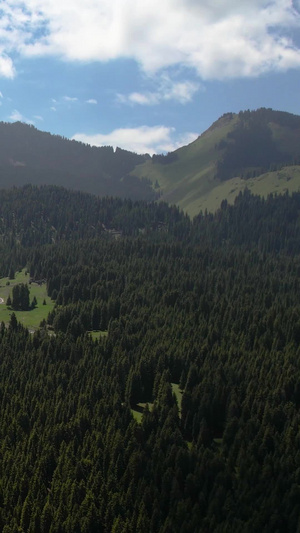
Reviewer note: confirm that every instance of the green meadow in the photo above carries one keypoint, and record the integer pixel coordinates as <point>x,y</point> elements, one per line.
<point>178,394</point>
<point>139,409</point>
<point>30,319</point>
<point>98,334</point>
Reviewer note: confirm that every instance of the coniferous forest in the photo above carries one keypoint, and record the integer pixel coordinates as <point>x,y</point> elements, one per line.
<point>183,414</point>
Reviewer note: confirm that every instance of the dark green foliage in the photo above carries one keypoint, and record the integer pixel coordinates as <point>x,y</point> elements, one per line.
<point>251,149</point>
<point>11,273</point>
<point>28,155</point>
<point>212,304</point>
<point>20,297</point>
<point>33,303</point>
<point>165,159</point>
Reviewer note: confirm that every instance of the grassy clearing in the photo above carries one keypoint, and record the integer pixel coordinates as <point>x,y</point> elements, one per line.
<point>218,441</point>
<point>30,319</point>
<point>178,393</point>
<point>139,409</point>
<point>97,334</point>
<point>137,415</point>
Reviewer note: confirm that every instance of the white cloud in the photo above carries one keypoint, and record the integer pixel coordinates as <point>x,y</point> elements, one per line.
<point>181,92</point>
<point>181,140</point>
<point>62,101</point>
<point>139,98</point>
<point>91,101</point>
<point>218,40</point>
<point>7,69</point>
<point>16,116</point>
<point>70,99</point>
<point>142,140</point>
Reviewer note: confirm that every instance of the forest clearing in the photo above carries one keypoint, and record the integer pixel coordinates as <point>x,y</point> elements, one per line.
<point>32,318</point>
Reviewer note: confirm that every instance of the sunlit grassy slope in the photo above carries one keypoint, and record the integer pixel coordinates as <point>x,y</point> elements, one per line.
<point>192,175</point>
<point>287,179</point>
<point>190,180</point>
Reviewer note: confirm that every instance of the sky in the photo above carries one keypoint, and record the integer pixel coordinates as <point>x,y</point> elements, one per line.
<point>145,75</point>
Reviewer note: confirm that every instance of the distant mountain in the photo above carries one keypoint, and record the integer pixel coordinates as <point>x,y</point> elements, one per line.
<point>259,150</point>
<point>255,149</point>
<point>28,155</point>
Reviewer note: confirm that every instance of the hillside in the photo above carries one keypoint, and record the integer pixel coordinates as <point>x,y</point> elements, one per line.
<point>28,155</point>
<point>161,392</point>
<point>236,152</point>
<point>259,150</point>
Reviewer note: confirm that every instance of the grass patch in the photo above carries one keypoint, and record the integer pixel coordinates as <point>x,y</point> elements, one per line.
<point>139,410</point>
<point>97,334</point>
<point>137,415</point>
<point>277,182</point>
<point>178,394</point>
<point>218,441</point>
<point>30,319</point>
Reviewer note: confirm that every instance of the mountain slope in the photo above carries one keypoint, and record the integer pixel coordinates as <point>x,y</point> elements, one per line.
<point>234,153</point>
<point>28,155</point>
<point>259,150</point>
<point>190,174</point>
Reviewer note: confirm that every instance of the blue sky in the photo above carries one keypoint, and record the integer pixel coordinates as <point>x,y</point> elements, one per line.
<point>148,76</point>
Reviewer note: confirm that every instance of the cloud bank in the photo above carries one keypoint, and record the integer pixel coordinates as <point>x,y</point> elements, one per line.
<point>224,39</point>
<point>142,140</point>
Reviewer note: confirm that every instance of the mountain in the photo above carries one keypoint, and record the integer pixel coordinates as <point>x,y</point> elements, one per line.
<point>28,155</point>
<point>258,150</point>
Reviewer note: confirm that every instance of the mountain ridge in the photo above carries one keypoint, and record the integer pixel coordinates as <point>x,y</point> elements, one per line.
<point>243,147</point>
<point>259,150</point>
<point>28,155</point>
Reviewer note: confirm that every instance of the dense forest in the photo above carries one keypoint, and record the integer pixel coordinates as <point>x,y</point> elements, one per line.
<point>252,147</point>
<point>199,325</point>
<point>28,155</point>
